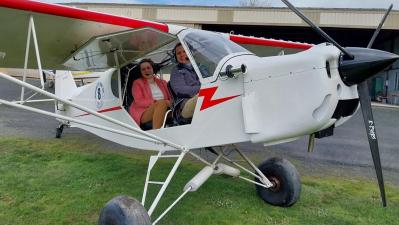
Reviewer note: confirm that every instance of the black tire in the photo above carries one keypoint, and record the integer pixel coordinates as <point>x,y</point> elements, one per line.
<point>58,132</point>
<point>50,84</point>
<point>286,180</point>
<point>124,210</point>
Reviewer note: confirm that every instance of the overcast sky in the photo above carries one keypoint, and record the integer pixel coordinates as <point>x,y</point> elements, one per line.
<point>277,3</point>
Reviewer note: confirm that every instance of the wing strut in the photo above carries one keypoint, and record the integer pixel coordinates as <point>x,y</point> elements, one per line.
<point>90,111</point>
<point>31,32</point>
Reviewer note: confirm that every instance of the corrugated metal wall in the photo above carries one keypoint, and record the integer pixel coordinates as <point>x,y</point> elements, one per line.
<point>350,18</point>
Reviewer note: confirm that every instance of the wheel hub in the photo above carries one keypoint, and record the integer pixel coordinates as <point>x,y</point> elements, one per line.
<point>276,184</point>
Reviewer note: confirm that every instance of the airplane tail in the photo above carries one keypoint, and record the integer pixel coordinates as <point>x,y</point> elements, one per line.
<point>64,84</point>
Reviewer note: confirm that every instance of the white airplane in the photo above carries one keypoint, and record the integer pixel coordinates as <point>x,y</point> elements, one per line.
<point>269,100</point>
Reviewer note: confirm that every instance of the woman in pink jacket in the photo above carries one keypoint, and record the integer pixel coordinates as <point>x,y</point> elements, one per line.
<point>151,97</point>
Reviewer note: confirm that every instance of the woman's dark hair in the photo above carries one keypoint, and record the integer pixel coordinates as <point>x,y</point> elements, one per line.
<point>147,61</point>
<point>174,51</point>
<point>177,45</point>
<point>154,66</point>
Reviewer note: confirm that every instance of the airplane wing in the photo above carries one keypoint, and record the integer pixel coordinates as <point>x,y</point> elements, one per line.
<point>269,47</point>
<point>62,31</point>
<point>76,39</point>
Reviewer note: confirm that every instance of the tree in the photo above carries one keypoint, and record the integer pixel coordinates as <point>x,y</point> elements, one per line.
<point>254,3</point>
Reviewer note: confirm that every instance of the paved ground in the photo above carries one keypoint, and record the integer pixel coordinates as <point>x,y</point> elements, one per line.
<point>346,153</point>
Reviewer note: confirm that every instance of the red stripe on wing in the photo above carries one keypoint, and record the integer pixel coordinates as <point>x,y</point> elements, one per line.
<point>65,11</point>
<point>268,42</point>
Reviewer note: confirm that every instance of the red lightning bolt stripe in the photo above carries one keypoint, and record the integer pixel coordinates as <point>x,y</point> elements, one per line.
<point>208,102</point>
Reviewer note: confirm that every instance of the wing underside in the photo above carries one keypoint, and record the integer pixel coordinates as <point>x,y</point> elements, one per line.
<point>76,39</point>
<point>61,31</point>
<point>58,37</point>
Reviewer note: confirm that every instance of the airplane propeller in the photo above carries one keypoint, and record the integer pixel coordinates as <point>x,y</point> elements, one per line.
<point>356,66</point>
<point>368,118</point>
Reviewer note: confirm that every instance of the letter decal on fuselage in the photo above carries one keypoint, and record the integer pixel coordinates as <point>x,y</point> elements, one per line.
<point>99,95</point>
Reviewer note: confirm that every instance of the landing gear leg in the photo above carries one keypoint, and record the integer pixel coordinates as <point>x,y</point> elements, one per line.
<point>124,210</point>
<point>59,130</point>
<point>277,180</point>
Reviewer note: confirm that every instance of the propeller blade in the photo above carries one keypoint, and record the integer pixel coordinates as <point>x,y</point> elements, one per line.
<point>368,118</point>
<point>316,28</point>
<point>365,104</point>
<point>377,31</point>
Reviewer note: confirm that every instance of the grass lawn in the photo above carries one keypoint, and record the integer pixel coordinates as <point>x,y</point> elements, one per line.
<point>68,182</point>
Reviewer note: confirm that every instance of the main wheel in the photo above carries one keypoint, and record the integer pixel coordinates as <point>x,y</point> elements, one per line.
<point>285,179</point>
<point>124,210</point>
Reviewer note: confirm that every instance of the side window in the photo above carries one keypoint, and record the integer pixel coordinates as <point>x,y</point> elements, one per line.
<point>208,49</point>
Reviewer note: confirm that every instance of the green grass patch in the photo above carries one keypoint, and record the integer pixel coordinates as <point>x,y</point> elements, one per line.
<point>68,182</point>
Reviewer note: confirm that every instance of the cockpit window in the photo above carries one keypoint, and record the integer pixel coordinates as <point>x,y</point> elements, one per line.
<point>208,49</point>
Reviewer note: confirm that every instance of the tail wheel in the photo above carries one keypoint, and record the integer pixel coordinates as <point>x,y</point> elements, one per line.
<point>59,130</point>
<point>285,179</point>
<point>124,210</point>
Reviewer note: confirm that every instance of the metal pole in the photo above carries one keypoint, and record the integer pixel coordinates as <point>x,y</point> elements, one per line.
<point>264,178</point>
<point>39,63</point>
<point>75,120</point>
<point>171,206</point>
<point>200,158</point>
<point>251,181</point>
<point>216,160</point>
<point>147,178</point>
<point>242,167</point>
<point>119,78</point>
<point>167,181</point>
<point>90,111</point>
<point>26,57</point>
<point>34,101</point>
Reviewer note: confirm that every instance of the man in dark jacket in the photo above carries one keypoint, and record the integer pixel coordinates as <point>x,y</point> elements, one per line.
<point>184,83</point>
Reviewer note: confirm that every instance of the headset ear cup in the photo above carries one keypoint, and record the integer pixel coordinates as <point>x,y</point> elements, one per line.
<point>174,58</point>
<point>155,68</point>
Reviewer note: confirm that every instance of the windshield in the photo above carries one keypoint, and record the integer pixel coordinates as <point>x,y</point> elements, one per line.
<point>208,48</point>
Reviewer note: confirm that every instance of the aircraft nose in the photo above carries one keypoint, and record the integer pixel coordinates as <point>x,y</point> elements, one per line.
<point>366,63</point>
